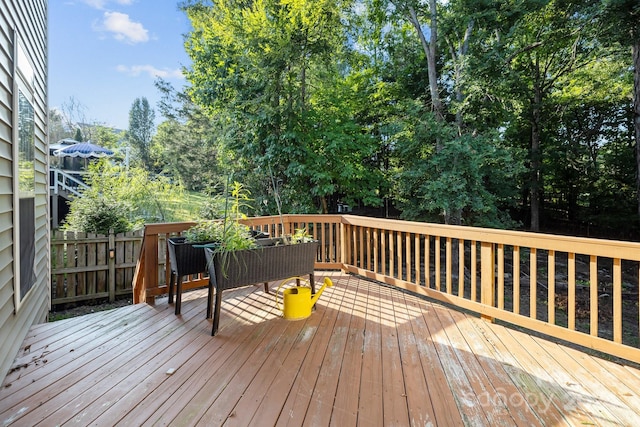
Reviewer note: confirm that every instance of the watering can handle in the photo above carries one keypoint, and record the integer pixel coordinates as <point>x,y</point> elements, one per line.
<point>296,278</point>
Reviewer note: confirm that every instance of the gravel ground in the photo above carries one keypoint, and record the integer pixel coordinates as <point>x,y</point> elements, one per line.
<point>65,312</point>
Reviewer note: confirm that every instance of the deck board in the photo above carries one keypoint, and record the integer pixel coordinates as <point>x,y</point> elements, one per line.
<point>369,355</point>
<point>418,400</point>
<point>505,389</point>
<point>345,406</point>
<point>440,393</point>
<point>294,410</point>
<point>370,397</point>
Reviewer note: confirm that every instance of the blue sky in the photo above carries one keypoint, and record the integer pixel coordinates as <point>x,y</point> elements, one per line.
<point>106,53</point>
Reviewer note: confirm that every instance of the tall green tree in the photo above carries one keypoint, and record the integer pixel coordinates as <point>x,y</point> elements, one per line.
<point>105,137</point>
<point>57,128</point>
<point>620,20</point>
<point>268,67</point>
<point>188,143</point>
<point>141,129</point>
<point>544,46</point>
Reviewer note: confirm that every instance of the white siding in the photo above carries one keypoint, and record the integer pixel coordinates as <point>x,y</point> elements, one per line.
<point>27,18</point>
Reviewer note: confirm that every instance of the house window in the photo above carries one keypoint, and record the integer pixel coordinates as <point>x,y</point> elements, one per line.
<point>26,191</point>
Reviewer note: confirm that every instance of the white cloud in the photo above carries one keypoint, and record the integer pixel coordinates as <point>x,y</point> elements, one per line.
<point>98,4</point>
<point>136,70</point>
<point>101,4</point>
<point>123,28</point>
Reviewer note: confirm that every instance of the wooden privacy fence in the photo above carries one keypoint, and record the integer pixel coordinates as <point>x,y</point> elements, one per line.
<point>87,266</point>
<point>584,291</point>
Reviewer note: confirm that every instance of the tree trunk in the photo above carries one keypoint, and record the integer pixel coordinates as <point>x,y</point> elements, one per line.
<point>430,50</point>
<point>457,57</point>
<point>535,180</point>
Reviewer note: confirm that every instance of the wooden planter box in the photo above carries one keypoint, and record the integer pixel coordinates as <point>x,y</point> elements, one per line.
<point>262,265</point>
<point>184,260</point>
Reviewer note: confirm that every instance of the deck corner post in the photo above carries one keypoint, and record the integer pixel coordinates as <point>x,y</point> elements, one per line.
<point>111,251</point>
<point>487,277</point>
<point>151,272</point>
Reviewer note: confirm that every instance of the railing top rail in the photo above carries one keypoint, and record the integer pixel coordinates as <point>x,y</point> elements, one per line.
<point>570,244</point>
<point>166,227</point>
<point>176,227</point>
<point>289,218</point>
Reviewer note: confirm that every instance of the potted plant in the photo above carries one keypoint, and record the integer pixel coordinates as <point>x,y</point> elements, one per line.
<point>237,256</point>
<point>280,259</point>
<point>186,256</point>
<point>186,253</point>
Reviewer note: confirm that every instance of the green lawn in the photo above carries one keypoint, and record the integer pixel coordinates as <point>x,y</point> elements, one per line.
<point>185,207</point>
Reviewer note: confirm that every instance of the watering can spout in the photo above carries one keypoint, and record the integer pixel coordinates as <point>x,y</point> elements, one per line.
<point>327,282</point>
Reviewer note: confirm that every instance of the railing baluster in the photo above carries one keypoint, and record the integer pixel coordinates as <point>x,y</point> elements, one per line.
<point>417,258</point>
<point>593,295</point>
<point>369,249</point>
<point>617,300</point>
<point>400,268</point>
<point>322,239</point>
<point>361,261</point>
<point>335,243</point>
<point>376,249</point>
<point>551,292</point>
<point>474,270</point>
<point>448,262</point>
<point>353,247</point>
<point>383,252</point>
<point>427,261</point>
<point>407,256</point>
<point>501,276</point>
<point>437,266</point>
<point>460,268</point>
<point>516,279</point>
<point>533,283</point>
<point>571,293</point>
<point>392,255</point>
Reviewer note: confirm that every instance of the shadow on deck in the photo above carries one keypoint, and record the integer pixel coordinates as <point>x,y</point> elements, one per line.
<point>369,355</point>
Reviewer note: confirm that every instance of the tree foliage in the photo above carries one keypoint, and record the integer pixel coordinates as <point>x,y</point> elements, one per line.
<point>141,126</point>
<point>274,71</point>
<point>119,199</point>
<point>473,112</point>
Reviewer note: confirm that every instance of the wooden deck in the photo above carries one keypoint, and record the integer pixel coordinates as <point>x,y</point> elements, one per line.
<point>369,356</point>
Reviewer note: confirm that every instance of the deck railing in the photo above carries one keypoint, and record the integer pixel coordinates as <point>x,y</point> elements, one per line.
<point>66,181</point>
<point>583,291</point>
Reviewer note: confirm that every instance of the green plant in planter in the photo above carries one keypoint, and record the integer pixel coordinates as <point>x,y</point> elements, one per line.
<point>204,231</point>
<point>300,236</point>
<point>228,232</point>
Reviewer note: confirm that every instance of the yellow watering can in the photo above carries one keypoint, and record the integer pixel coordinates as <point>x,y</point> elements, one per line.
<point>297,302</point>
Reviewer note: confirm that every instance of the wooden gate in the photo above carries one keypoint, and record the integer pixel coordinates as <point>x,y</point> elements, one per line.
<point>87,266</point>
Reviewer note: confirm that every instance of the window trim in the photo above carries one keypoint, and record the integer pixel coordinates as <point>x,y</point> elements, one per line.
<point>23,81</point>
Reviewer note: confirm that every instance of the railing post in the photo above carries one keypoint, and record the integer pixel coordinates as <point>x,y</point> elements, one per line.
<point>344,255</point>
<point>112,266</point>
<point>151,263</point>
<point>487,277</point>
